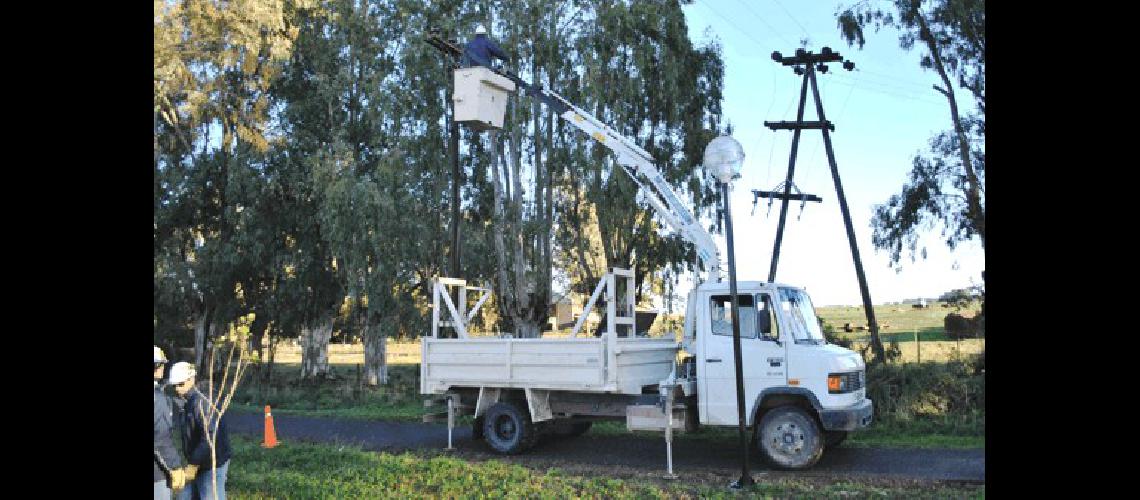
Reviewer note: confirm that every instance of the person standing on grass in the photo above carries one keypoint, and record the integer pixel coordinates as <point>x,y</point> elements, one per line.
<point>169,472</point>
<point>198,413</point>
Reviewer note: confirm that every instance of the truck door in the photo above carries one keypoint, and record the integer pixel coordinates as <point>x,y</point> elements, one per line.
<point>762,357</point>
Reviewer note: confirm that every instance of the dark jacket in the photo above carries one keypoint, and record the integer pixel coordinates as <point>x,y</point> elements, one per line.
<point>479,51</point>
<point>194,440</point>
<point>164,434</point>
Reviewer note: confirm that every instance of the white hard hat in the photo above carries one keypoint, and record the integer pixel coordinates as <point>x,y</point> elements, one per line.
<point>481,30</point>
<point>181,372</point>
<point>159,356</point>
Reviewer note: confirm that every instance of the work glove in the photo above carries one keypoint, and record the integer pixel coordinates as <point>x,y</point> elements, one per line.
<point>191,472</point>
<point>177,479</point>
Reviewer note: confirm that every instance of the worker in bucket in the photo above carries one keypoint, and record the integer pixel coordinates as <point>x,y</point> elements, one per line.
<point>480,50</point>
<point>169,472</point>
<point>198,413</point>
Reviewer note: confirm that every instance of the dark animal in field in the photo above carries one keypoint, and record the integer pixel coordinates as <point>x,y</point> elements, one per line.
<point>960,327</point>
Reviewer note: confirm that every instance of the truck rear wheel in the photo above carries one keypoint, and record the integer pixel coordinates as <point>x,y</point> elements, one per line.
<point>789,438</point>
<point>508,429</point>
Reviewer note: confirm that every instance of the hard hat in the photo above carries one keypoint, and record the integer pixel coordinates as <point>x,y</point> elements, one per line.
<point>159,356</point>
<point>181,372</point>
<point>480,30</point>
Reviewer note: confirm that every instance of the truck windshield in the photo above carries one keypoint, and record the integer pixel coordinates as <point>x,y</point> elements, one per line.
<point>801,316</point>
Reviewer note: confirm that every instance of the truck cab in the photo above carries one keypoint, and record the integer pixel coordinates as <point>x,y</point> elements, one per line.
<point>801,393</point>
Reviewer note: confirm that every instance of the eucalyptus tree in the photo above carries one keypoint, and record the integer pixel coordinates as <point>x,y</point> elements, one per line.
<point>947,185</point>
<point>632,65</point>
<point>213,65</point>
<point>643,75</point>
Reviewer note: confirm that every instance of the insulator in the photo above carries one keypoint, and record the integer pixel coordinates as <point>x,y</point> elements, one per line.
<point>848,65</point>
<point>822,68</point>
<point>776,56</point>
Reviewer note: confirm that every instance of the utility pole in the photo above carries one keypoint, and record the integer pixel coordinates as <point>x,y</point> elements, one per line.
<point>453,153</point>
<point>806,63</point>
<point>435,39</point>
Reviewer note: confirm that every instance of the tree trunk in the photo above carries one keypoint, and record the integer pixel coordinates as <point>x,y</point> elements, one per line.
<point>973,189</point>
<point>498,220</point>
<point>315,348</point>
<point>526,329</point>
<point>257,334</point>
<point>514,293</point>
<point>375,352</point>
<point>274,339</point>
<point>201,333</point>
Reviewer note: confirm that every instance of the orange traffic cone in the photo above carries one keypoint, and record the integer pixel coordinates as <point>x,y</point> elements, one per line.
<point>270,434</point>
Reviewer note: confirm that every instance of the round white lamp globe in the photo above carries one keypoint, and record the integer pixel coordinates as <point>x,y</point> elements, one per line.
<point>724,157</point>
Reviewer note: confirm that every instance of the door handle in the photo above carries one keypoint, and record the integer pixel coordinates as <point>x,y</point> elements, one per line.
<point>712,360</point>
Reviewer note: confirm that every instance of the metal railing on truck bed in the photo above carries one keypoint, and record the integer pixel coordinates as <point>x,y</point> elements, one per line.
<point>610,363</point>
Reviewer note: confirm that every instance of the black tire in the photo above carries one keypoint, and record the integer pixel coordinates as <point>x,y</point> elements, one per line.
<point>789,438</point>
<point>833,438</point>
<point>477,428</point>
<point>507,429</point>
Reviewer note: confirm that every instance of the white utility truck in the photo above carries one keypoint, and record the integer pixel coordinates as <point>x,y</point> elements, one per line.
<point>802,394</point>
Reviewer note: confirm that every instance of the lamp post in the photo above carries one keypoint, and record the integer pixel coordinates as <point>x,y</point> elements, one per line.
<point>723,158</point>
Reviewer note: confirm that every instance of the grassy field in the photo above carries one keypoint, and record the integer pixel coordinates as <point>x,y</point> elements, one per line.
<point>900,323</point>
<point>919,332</point>
<point>302,470</point>
<point>343,396</point>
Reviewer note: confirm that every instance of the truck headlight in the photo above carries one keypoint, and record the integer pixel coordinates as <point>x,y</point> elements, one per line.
<point>841,383</point>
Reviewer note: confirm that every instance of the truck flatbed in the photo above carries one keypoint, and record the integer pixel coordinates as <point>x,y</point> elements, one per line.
<point>572,364</point>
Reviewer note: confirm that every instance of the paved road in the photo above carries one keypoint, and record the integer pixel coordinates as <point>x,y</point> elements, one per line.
<point>643,452</point>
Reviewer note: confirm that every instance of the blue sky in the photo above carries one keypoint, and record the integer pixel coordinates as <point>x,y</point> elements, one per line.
<point>884,113</point>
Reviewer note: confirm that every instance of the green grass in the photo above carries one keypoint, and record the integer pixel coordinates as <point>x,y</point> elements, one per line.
<point>340,397</point>
<point>303,470</point>
<point>947,432</point>
<point>896,322</point>
<point>921,433</point>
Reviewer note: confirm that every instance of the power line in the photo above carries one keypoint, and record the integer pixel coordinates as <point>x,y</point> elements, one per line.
<point>745,33</point>
<point>893,78</point>
<point>793,17</point>
<point>926,91</point>
<point>761,18</point>
<point>848,99</point>
<point>900,96</point>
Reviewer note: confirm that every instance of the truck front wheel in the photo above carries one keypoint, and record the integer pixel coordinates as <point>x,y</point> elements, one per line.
<point>789,438</point>
<point>507,429</point>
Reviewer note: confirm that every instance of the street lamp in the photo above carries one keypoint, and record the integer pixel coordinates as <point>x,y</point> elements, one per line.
<point>723,158</point>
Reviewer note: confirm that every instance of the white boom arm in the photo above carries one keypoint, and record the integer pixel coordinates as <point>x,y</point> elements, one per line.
<point>635,160</point>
